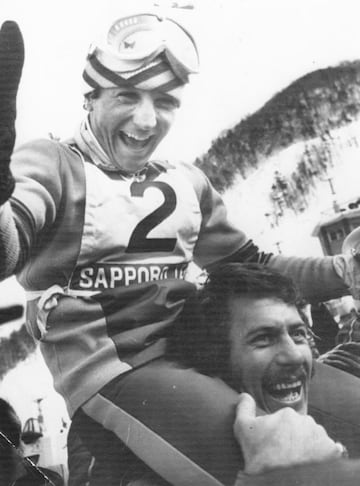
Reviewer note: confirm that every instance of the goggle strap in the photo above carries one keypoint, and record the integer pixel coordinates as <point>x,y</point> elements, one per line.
<point>178,68</point>
<point>102,72</point>
<point>152,71</point>
<point>90,81</point>
<point>171,85</point>
<point>107,74</point>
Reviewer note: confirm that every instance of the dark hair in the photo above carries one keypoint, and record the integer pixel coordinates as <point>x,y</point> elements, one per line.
<point>200,338</point>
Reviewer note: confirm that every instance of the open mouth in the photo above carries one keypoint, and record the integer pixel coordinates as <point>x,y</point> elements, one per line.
<point>286,393</point>
<point>134,141</point>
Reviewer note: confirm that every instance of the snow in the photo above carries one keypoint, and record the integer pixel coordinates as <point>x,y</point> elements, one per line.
<point>248,200</point>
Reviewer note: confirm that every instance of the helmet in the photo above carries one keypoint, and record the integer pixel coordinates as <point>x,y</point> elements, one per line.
<point>145,51</point>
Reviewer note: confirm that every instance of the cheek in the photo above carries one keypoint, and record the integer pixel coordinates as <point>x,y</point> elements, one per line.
<point>247,371</point>
<point>308,357</point>
<point>253,373</point>
<point>166,120</point>
<point>109,116</point>
<point>256,366</point>
<point>98,120</point>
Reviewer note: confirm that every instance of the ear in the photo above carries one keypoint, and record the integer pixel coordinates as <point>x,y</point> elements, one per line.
<point>88,104</point>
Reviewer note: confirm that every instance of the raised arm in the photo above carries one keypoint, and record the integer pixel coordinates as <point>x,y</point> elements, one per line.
<point>11,64</point>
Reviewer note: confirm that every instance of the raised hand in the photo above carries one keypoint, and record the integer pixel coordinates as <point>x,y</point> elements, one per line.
<point>11,64</point>
<point>281,439</point>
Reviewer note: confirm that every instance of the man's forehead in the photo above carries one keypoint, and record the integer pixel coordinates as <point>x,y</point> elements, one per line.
<point>175,95</point>
<point>248,313</point>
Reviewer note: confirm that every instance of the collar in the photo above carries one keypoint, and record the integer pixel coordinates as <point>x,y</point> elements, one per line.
<point>88,144</point>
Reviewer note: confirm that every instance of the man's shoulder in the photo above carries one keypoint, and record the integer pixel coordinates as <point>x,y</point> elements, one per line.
<point>44,146</point>
<point>46,160</point>
<point>45,151</point>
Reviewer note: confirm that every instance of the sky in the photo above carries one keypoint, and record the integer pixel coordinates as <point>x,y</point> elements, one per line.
<point>249,50</point>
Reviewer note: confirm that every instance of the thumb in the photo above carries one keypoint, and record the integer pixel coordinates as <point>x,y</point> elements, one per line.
<point>246,408</point>
<point>11,43</point>
<point>11,60</point>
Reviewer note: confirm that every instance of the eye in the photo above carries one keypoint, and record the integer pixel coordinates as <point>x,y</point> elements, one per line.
<point>167,103</point>
<point>299,335</point>
<point>127,97</point>
<point>262,340</point>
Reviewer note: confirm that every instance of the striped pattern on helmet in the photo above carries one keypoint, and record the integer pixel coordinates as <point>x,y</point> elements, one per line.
<point>144,52</point>
<point>157,75</point>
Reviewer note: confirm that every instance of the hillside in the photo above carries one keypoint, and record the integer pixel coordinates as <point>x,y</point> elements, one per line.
<point>311,107</point>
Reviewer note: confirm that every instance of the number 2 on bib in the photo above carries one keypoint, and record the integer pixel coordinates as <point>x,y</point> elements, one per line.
<point>138,242</point>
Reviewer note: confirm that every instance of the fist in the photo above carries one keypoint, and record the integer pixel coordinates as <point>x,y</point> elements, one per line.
<point>281,439</point>
<point>11,64</point>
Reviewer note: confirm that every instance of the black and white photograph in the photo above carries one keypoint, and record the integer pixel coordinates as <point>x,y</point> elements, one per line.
<point>180,243</point>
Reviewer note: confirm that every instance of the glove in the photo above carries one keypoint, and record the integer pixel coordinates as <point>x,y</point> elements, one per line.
<point>345,357</point>
<point>11,64</point>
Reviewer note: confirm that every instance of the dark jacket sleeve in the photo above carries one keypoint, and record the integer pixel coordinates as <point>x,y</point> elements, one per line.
<point>315,276</point>
<point>219,242</point>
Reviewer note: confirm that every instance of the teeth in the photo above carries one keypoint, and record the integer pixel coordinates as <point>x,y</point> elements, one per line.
<point>286,386</point>
<point>135,137</point>
<point>290,397</point>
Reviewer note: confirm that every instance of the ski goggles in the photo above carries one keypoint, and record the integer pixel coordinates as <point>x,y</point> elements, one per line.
<point>144,51</point>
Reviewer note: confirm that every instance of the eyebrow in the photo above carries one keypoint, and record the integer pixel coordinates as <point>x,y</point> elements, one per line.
<point>124,90</point>
<point>274,329</point>
<point>166,95</point>
<point>258,330</point>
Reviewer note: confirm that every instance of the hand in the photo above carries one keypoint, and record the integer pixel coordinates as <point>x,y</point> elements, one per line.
<point>281,439</point>
<point>11,63</point>
<point>345,357</point>
<point>347,264</point>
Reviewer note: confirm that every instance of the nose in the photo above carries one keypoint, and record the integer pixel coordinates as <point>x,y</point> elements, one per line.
<point>145,114</point>
<point>290,353</point>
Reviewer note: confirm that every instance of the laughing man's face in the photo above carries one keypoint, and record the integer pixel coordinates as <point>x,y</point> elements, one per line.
<point>270,356</point>
<point>130,123</point>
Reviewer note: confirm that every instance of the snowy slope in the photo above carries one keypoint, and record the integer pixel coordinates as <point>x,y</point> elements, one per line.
<point>248,200</point>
